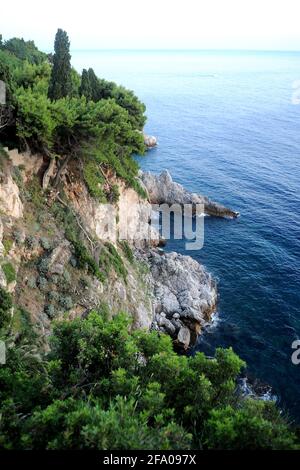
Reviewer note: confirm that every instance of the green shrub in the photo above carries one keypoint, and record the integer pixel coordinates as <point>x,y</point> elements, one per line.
<point>66,302</point>
<point>67,277</point>
<point>43,266</point>
<point>45,243</point>
<point>18,236</point>
<point>34,193</point>
<point>34,118</point>
<point>24,50</point>
<point>53,296</point>
<point>50,310</point>
<point>7,243</point>
<point>127,250</point>
<point>42,283</point>
<point>114,194</point>
<point>32,282</point>
<point>94,181</point>
<point>102,386</point>
<point>84,283</point>
<point>36,227</point>
<point>21,326</point>
<point>42,217</point>
<point>85,260</point>
<point>9,272</point>
<point>256,425</point>
<point>5,308</point>
<point>73,261</point>
<point>3,153</point>
<point>31,242</point>
<point>110,259</point>
<point>55,279</point>
<point>17,176</point>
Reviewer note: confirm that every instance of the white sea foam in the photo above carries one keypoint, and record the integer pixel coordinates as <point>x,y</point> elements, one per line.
<point>249,390</point>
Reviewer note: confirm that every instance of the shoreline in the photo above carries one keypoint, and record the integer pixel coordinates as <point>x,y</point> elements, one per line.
<point>185,292</point>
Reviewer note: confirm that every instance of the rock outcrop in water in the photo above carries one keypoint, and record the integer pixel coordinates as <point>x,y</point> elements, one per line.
<point>150,141</point>
<point>162,189</point>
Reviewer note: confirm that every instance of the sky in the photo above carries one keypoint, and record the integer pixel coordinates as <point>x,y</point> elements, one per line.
<point>156,24</point>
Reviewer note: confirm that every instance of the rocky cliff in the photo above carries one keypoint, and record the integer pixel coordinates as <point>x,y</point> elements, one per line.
<point>60,256</point>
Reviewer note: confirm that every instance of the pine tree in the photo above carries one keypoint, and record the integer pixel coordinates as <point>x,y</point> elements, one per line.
<point>94,84</point>
<point>85,88</point>
<point>60,81</point>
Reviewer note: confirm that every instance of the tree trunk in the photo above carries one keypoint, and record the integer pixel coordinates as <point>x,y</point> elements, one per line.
<point>61,169</point>
<point>49,173</point>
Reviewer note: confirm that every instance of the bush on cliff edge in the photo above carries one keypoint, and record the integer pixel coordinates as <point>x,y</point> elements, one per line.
<point>103,387</point>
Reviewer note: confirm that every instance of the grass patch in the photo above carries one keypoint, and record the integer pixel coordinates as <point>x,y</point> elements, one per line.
<point>9,272</point>
<point>7,243</point>
<point>21,324</point>
<point>110,258</point>
<point>34,193</point>
<point>85,260</point>
<point>94,181</point>
<point>17,177</point>
<point>127,250</point>
<point>122,165</point>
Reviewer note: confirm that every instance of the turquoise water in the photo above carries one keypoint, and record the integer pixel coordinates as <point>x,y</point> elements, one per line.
<point>227,128</point>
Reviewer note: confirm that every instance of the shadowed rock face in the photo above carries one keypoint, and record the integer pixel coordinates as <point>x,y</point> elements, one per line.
<point>162,189</point>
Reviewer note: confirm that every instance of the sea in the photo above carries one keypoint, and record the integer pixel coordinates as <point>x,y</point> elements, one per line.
<point>228,126</point>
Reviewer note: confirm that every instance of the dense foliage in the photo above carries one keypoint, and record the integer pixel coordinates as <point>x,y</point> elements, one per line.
<point>5,308</point>
<point>24,50</point>
<point>53,110</point>
<point>102,387</point>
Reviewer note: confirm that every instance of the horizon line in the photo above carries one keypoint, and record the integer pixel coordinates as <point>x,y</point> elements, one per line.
<point>146,49</point>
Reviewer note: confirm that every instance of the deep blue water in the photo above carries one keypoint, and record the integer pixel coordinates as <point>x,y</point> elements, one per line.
<point>227,128</point>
